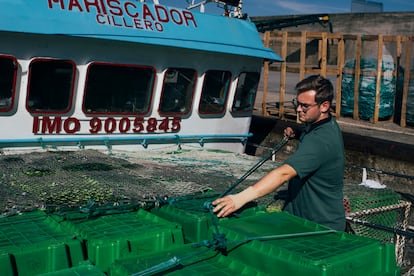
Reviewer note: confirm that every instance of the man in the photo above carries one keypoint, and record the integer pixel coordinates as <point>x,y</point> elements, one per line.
<point>315,171</point>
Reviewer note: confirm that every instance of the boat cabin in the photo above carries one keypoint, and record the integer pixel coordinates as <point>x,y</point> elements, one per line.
<point>125,73</point>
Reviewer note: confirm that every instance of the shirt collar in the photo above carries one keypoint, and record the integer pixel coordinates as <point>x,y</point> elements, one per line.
<point>310,127</point>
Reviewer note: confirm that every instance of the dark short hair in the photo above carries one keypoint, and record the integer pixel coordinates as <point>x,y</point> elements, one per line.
<point>322,86</point>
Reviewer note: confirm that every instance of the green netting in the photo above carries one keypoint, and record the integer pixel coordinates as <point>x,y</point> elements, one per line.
<point>376,207</point>
<point>363,198</point>
<point>367,89</point>
<point>94,180</point>
<point>410,97</point>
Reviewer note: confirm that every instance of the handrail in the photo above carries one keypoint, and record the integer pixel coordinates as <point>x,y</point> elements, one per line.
<point>108,141</point>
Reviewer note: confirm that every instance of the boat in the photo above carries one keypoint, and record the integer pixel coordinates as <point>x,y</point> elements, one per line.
<point>133,73</point>
<point>145,83</point>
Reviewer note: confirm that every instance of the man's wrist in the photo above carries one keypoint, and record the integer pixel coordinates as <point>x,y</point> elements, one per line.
<point>245,196</point>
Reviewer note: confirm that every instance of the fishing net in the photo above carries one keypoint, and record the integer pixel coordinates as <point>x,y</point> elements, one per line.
<point>367,89</point>
<point>378,214</point>
<point>61,180</point>
<point>85,183</point>
<point>56,180</point>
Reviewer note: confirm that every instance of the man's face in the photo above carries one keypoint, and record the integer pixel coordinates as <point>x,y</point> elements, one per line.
<point>307,109</point>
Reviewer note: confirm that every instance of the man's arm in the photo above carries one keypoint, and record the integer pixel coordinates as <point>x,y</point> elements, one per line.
<point>269,183</point>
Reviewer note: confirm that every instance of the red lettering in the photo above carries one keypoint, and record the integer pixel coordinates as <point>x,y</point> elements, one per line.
<point>188,16</point>
<point>110,125</point>
<point>146,12</point>
<point>176,124</point>
<point>128,12</point>
<point>35,128</point>
<point>114,7</point>
<point>126,23</point>
<point>95,125</point>
<point>51,125</point>
<point>124,125</point>
<point>100,18</point>
<point>137,23</point>
<point>176,16</point>
<point>164,16</point>
<point>138,125</point>
<point>71,125</point>
<point>159,27</point>
<point>114,22</point>
<point>148,25</point>
<point>164,125</point>
<point>62,6</point>
<point>151,125</point>
<point>75,3</point>
<point>93,3</point>
<point>103,7</point>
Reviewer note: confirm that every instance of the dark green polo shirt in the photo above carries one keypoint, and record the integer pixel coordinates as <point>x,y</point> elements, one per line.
<point>316,193</point>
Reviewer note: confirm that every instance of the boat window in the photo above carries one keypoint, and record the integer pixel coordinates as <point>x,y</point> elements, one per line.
<point>178,90</point>
<point>246,92</point>
<point>8,72</point>
<point>118,89</point>
<point>214,94</point>
<point>50,86</point>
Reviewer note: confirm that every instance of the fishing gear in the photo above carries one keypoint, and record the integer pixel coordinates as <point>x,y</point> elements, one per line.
<point>219,242</point>
<point>273,151</point>
<point>398,231</point>
<point>210,194</point>
<point>176,261</point>
<point>169,264</point>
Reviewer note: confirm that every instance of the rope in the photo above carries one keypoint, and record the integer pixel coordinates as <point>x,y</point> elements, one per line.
<point>401,233</point>
<point>172,262</point>
<point>400,205</point>
<point>381,171</point>
<point>214,245</point>
<point>275,149</point>
<point>395,230</point>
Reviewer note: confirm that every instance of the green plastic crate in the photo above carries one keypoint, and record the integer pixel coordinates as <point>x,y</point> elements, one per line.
<point>112,237</point>
<point>36,244</point>
<point>184,260</point>
<point>195,225</point>
<point>314,251</point>
<point>82,269</point>
<point>300,248</point>
<point>195,217</point>
<point>6,267</point>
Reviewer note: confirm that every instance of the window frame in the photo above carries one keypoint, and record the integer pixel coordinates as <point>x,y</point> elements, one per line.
<point>112,113</point>
<point>71,92</point>
<point>225,92</point>
<point>14,81</point>
<point>249,110</point>
<point>189,100</point>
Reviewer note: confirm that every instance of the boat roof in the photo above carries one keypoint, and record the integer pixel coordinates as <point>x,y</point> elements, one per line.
<point>137,22</point>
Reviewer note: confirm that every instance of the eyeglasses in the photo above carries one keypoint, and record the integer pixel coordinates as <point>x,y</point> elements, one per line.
<point>304,106</point>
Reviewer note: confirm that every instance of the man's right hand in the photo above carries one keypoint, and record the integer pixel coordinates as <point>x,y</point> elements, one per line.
<point>288,132</point>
